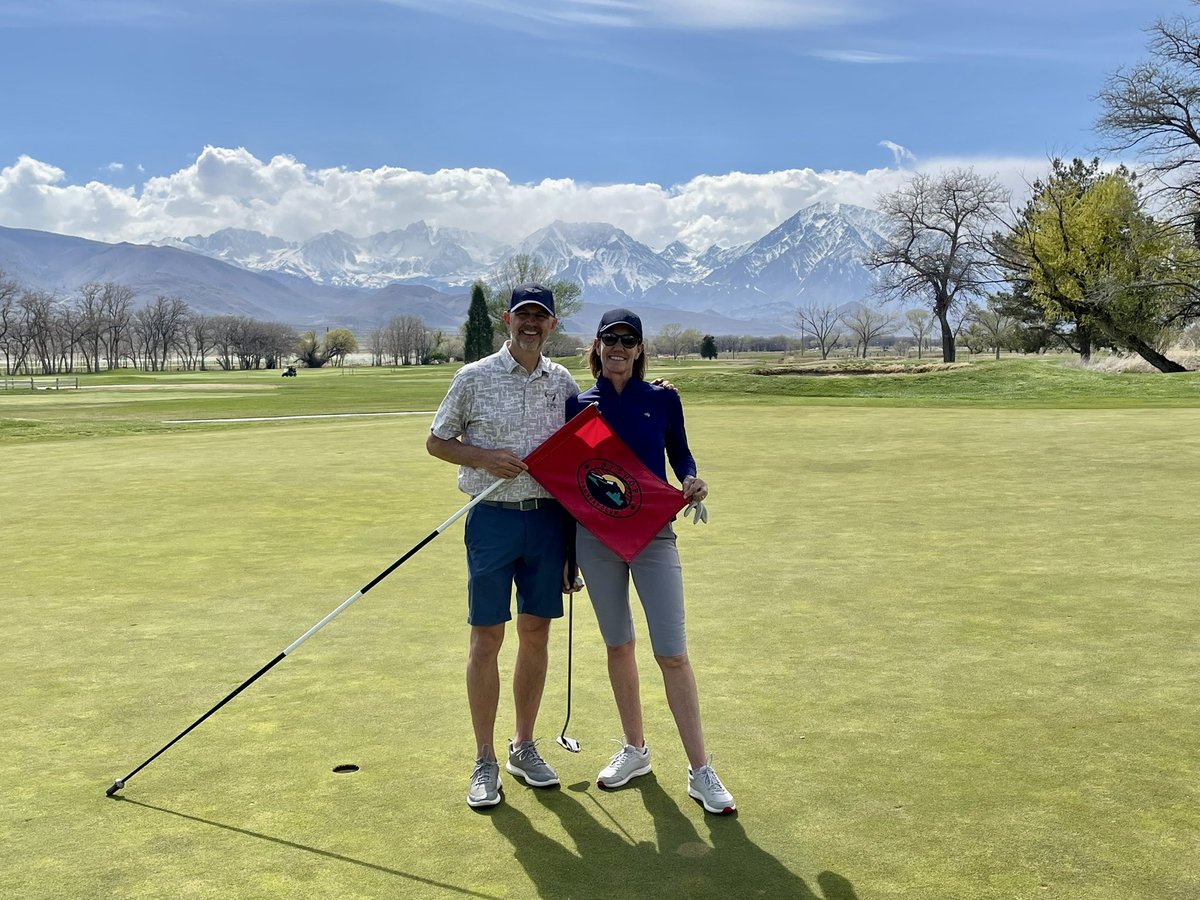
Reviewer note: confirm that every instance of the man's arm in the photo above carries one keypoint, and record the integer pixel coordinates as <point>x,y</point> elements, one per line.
<point>501,463</point>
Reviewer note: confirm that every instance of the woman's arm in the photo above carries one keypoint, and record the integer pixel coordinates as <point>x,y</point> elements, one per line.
<point>678,453</point>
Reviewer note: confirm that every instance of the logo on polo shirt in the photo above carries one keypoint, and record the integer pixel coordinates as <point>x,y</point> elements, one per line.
<point>608,488</point>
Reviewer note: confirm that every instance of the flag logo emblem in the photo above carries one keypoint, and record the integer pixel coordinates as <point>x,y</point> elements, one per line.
<point>608,488</point>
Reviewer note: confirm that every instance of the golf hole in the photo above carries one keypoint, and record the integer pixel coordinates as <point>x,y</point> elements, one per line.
<point>344,768</point>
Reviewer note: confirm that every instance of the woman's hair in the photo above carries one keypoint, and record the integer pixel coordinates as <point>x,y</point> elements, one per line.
<point>639,364</point>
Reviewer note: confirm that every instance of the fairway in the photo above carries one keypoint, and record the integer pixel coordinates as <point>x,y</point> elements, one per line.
<point>945,650</point>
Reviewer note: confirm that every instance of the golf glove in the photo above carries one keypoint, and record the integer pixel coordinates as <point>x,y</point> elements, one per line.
<point>698,510</point>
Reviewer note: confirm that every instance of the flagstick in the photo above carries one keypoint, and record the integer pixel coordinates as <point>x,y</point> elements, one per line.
<point>120,782</point>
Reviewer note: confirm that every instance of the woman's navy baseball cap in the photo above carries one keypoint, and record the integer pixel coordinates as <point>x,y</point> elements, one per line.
<point>620,316</point>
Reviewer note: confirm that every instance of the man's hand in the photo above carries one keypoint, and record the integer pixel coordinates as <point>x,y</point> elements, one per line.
<point>502,463</point>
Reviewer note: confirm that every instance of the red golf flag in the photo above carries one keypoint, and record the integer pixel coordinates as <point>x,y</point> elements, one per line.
<point>599,480</point>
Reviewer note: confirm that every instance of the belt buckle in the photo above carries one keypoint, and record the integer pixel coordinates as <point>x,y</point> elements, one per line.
<point>527,504</point>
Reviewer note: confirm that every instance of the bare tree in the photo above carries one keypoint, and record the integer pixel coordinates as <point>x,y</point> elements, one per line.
<point>993,322</point>
<point>730,343</point>
<point>867,324</point>
<point>523,268</point>
<point>375,346</point>
<point>116,304</point>
<point>40,318</point>
<point>277,343</point>
<point>937,250</point>
<point>1154,108</point>
<point>92,324</point>
<point>919,326</point>
<point>824,323</point>
<point>225,338</point>
<point>159,328</point>
<point>200,338</point>
<point>10,290</point>
<point>415,340</point>
<point>672,339</point>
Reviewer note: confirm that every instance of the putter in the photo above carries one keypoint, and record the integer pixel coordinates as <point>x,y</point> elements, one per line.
<point>569,743</point>
<point>121,782</point>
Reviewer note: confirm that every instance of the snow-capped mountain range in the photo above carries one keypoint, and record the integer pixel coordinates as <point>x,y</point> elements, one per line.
<point>439,257</point>
<point>815,257</point>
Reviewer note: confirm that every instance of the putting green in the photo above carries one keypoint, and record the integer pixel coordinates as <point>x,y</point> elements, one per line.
<point>942,653</point>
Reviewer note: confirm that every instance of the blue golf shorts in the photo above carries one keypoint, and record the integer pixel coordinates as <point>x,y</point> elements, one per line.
<point>507,547</point>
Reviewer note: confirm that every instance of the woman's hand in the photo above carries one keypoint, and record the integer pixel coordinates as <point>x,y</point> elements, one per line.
<point>694,491</point>
<point>694,488</point>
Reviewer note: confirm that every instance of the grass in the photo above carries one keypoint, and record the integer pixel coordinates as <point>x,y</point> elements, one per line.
<point>944,651</point>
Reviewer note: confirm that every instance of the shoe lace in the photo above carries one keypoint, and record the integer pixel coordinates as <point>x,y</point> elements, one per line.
<point>528,752</point>
<point>711,781</point>
<point>709,776</point>
<point>483,771</point>
<point>618,758</point>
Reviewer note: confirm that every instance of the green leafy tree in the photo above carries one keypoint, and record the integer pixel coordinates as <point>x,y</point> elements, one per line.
<point>477,338</point>
<point>1085,249</point>
<point>314,353</point>
<point>309,351</point>
<point>339,343</point>
<point>708,347</point>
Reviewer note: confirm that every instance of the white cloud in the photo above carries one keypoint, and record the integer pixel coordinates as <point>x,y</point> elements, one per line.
<point>114,167</point>
<point>900,155</point>
<point>282,196</point>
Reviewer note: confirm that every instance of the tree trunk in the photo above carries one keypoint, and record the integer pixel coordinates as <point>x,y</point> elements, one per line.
<point>1085,343</point>
<point>1152,356</point>
<point>947,337</point>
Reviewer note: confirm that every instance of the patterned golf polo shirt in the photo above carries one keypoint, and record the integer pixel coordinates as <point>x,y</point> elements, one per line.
<point>496,404</point>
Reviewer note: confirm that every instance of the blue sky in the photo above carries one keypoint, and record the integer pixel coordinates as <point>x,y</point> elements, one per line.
<point>599,99</point>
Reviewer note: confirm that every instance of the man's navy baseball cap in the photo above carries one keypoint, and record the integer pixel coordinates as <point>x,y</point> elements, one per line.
<point>620,316</point>
<point>532,293</point>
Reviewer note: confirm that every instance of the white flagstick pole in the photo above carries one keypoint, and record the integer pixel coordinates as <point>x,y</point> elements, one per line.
<point>120,782</point>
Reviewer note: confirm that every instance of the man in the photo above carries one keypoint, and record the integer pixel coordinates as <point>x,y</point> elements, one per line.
<point>496,412</point>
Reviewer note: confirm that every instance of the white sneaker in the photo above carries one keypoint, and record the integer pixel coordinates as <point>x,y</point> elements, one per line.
<point>705,786</point>
<point>627,763</point>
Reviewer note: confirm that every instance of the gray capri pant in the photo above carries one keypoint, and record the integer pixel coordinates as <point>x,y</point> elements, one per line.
<point>658,577</point>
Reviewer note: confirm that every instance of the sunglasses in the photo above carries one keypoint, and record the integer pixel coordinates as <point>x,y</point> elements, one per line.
<point>628,341</point>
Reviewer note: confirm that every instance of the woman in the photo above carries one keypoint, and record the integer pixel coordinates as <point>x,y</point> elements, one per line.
<point>650,420</point>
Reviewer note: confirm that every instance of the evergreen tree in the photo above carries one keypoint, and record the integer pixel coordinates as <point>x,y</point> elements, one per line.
<point>478,338</point>
<point>708,347</point>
